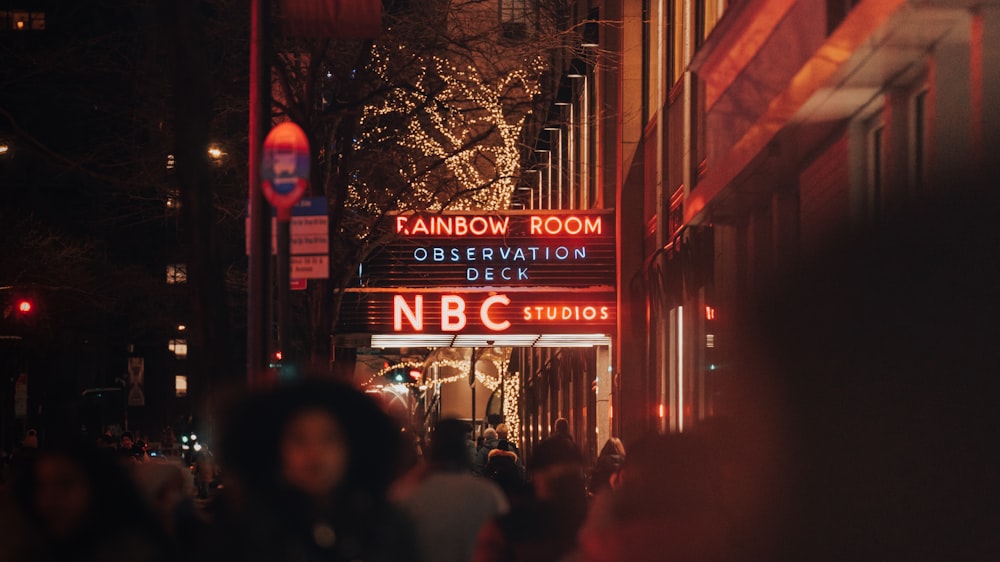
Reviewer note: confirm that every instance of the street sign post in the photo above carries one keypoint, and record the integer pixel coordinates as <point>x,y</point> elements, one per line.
<point>285,167</point>
<point>284,176</point>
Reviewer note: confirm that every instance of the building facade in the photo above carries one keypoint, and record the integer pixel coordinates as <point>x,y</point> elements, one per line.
<point>737,139</point>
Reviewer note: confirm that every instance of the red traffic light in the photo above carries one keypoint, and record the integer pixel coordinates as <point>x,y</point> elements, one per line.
<point>24,306</point>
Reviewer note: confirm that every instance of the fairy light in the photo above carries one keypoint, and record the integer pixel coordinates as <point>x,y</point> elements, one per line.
<point>512,392</point>
<point>391,368</point>
<point>445,109</point>
<point>511,383</point>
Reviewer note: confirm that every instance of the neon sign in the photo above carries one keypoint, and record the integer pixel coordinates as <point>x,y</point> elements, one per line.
<point>499,312</point>
<point>517,249</point>
<point>516,273</point>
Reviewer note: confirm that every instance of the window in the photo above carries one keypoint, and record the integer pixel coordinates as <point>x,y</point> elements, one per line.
<point>515,15</point>
<point>22,20</point>
<point>173,200</point>
<point>179,347</point>
<point>177,273</point>
<point>180,385</point>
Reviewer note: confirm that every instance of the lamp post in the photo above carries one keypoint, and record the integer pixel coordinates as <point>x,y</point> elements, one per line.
<point>548,179</point>
<point>538,205</point>
<point>570,152</point>
<point>531,195</point>
<point>584,140</point>
<point>559,159</point>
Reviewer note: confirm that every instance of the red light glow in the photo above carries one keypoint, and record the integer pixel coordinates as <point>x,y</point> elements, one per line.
<point>24,307</point>
<point>572,225</point>
<point>453,317</point>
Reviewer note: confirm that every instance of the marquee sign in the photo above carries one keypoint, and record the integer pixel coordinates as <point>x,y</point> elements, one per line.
<point>515,249</point>
<point>516,273</point>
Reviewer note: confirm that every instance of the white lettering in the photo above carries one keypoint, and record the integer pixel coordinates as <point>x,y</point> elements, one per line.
<point>415,315</point>
<point>484,313</point>
<point>452,313</point>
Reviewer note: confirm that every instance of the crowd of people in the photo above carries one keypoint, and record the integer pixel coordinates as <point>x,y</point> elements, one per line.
<point>316,471</point>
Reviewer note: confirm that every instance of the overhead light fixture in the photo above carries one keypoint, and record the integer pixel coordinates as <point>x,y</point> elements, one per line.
<point>489,340</point>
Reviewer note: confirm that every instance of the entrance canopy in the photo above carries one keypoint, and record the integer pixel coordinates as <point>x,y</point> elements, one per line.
<point>517,279</point>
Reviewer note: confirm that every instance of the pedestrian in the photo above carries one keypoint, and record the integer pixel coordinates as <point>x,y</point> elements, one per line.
<point>609,463</point>
<point>544,527</point>
<point>307,468</point>
<point>482,455</point>
<point>167,488</point>
<point>667,506</point>
<point>205,473</point>
<point>503,441</point>
<point>126,442</point>
<point>450,505</point>
<point>560,429</point>
<point>503,468</point>
<point>77,503</point>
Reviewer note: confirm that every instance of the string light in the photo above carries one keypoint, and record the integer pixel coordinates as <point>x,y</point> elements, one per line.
<point>447,110</point>
<point>511,383</point>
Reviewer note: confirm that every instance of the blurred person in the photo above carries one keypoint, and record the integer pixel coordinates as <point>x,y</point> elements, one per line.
<point>450,505</point>
<point>666,507</point>
<point>308,466</point>
<point>482,454</point>
<point>873,362</point>
<point>503,468</point>
<point>544,526</point>
<point>105,441</point>
<point>70,497</point>
<point>206,473</point>
<point>30,439</point>
<point>503,441</point>
<point>609,463</point>
<point>22,456</point>
<point>560,430</point>
<point>168,490</point>
<point>613,446</point>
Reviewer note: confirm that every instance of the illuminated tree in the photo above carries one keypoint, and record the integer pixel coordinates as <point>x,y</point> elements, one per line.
<point>430,116</point>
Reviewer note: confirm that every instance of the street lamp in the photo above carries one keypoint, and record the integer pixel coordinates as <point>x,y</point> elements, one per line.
<point>570,151</point>
<point>584,140</point>
<point>548,179</point>
<point>559,159</point>
<point>531,195</point>
<point>215,153</point>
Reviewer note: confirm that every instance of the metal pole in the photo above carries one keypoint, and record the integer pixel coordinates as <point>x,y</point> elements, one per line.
<point>284,290</point>
<point>559,159</point>
<point>259,244</point>
<point>472,383</point>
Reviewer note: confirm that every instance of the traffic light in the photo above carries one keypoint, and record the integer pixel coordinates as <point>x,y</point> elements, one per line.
<point>21,308</point>
<point>402,375</point>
